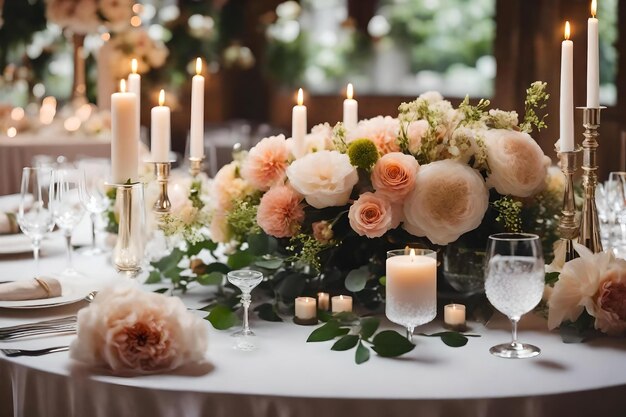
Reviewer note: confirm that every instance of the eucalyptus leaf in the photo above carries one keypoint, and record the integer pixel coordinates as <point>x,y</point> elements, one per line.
<point>362,354</point>
<point>195,248</point>
<point>452,339</point>
<point>369,325</point>
<point>356,279</point>
<point>213,278</point>
<point>390,343</point>
<point>324,315</point>
<point>222,317</point>
<point>170,261</point>
<point>267,312</point>
<point>154,277</point>
<point>217,267</point>
<point>258,244</point>
<point>328,331</point>
<point>240,259</point>
<point>273,263</point>
<point>347,342</point>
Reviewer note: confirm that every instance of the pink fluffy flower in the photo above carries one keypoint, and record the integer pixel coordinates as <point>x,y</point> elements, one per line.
<point>280,212</point>
<point>383,131</point>
<point>266,163</point>
<point>372,216</point>
<point>394,174</point>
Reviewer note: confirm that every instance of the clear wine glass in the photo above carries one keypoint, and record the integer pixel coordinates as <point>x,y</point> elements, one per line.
<point>246,281</point>
<point>93,195</point>
<point>411,288</point>
<point>67,209</point>
<point>34,215</point>
<point>616,206</point>
<point>514,284</point>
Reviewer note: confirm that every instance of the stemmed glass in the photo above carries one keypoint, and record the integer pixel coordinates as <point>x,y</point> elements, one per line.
<point>514,284</point>
<point>616,207</point>
<point>411,288</point>
<point>66,208</point>
<point>34,215</point>
<point>246,281</point>
<point>92,192</point>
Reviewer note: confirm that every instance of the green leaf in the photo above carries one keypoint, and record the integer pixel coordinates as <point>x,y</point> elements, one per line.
<point>170,261</point>
<point>195,248</point>
<point>324,315</point>
<point>356,279</point>
<point>273,263</point>
<point>268,312</point>
<point>291,286</point>
<point>213,278</point>
<point>346,317</point>
<point>154,277</point>
<point>452,339</point>
<point>222,317</point>
<point>240,259</point>
<point>552,278</point>
<point>346,343</point>
<point>362,354</point>
<point>328,331</point>
<point>369,325</point>
<point>217,267</point>
<point>390,343</point>
<point>259,244</point>
<point>161,290</point>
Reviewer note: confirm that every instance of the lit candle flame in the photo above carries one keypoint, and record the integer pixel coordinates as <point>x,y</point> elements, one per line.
<point>300,97</point>
<point>567,30</point>
<point>161,97</point>
<point>198,66</point>
<point>349,91</point>
<point>122,85</point>
<point>594,8</point>
<point>133,66</point>
<point>412,255</point>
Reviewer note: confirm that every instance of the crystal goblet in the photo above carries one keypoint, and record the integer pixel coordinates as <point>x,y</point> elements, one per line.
<point>246,281</point>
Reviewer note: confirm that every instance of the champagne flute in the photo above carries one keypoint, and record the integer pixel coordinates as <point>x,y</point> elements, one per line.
<point>34,215</point>
<point>93,195</point>
<point>246,281</point>
<point>66,209</point>
<point>514,284</point>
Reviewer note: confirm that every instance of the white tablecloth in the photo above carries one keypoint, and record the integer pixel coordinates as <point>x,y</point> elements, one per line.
<point>288,377</point>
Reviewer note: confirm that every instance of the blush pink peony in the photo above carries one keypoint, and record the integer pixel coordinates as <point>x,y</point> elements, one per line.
<point>394,174</point>
<point>266,163</point>
<point>372,215</point>
<point>132,331</point>
<point>280,212</point>
<point>383,131</point>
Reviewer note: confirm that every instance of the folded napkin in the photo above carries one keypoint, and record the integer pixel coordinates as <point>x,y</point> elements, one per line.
<point>32,289</point>
<point>8,223</point>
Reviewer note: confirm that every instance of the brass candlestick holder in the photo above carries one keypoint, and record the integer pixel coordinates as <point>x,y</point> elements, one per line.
<point>568,226</point>
<point>589,225</point>
<point>162,204</point>
<point>128,251</point>
<point>195,166</point>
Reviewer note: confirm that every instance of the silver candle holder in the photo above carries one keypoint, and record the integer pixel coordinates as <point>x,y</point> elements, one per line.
<point>568,226</point>
<point>128,251</point>
<point>195,166</point>
<point>162,171</point>
<point>589,225</point>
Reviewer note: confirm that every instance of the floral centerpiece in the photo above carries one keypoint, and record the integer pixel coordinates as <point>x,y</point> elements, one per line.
<point>321,214</point>
<point>86,16</point>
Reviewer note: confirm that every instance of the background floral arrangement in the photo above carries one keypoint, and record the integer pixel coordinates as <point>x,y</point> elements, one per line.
<point>86,16</point>
<point>321,214</point>
<point>134,43</point>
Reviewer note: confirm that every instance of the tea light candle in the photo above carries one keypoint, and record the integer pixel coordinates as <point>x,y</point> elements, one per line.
<point>323,301</point>
<point>305,310</point>
<point>454,315</point>
<point>341,303</point>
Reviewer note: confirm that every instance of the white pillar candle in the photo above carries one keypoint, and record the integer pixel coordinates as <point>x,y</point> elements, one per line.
<point>412,280</point>
<point>306,308</point>
<point>323,301</point>
<point>567,93</point>
<point>160,131</point>
<point>454,315</point>
<point>593,60</point>
<point>134,86</point>
<point>298,125</point>
<point>124,139</point>
<point>350,109</point>
<point>341,303</point>
<point>196,130</point>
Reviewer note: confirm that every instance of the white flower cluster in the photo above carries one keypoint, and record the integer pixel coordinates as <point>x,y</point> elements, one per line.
<point>134,43</point>
<point>86,16</point>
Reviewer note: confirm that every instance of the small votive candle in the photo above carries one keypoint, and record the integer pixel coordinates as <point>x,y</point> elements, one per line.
<point>306,311</point>
<point>323,301</point>
<point>341,303</point>
<point>454,316</point>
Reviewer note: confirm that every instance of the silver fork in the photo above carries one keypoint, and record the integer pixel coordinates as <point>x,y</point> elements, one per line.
<point>37,352</point>
<point>39,324</point>
<point>67,328</point>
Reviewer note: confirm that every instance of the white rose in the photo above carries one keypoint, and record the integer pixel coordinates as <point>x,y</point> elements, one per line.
<point>518,165</point>
<point>132,331</point>
<point>449,199</point>
<point>324,178</point>
<point>228,186</point>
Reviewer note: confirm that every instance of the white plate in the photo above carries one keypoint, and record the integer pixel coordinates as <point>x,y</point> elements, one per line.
<point>71,294</point>
<point>17,243</point>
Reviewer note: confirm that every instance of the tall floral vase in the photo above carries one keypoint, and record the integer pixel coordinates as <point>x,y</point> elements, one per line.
<point>79,84</point>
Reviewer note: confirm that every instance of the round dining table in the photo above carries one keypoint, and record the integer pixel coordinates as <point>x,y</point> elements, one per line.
<point>286,376</point>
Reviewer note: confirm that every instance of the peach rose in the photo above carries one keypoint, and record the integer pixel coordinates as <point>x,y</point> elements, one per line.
<point>322,231</point>
<point>228,186</point>
<point>132,331</point>
<point>394,174</point>
<point>372,216</point>
<point>611,301</point>
<point>266,163</point>
<point>449,199</point>
<point>280,212</point>
<point>383,131</point>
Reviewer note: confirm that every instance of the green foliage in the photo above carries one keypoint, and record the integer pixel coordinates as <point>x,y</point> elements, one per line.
<point>222,317</point>
<point>452,339</point>
<point>509,211</point>
<point>305,249</point>
<point>242,218</point>
<point>472,114</point>
<point>390,343</point>
<point>194,194</point>
<point>363,153</point>
<point>268,312</point>
<point>536,99</point>
<point>357,278</point>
